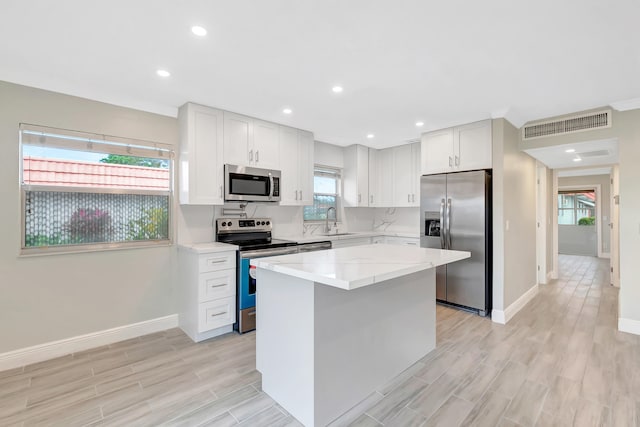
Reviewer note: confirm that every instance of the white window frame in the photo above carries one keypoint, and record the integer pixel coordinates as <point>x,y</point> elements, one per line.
<point>338,174</point>
<point>107,144</point>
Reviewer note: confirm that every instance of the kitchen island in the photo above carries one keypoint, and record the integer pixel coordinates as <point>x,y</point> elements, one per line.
<point>334,325</point>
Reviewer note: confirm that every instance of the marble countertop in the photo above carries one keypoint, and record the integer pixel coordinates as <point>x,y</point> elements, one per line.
<point>208,247</point>
<point>355,267</point>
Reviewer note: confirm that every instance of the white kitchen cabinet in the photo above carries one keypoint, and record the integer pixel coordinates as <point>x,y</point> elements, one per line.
<point>352,241</point>
<point>373,174</point>
<point>460,148</point>
<point>296,153</point>
<point>395,240</point>
<point>406,182</point>
<point>207,292</point>
<point>356,176</point>
<point>250,142</point>
<point>385,177</point>
<point>201,162</point>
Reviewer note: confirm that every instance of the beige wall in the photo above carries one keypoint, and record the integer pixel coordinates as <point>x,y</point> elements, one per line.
<point>47,298</point>
<point>549,216</point>
<point>626,129</point>
<point>605,200</point>
<point>514,201</point>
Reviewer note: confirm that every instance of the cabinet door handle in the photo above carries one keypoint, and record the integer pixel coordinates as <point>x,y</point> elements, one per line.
<point>359,198</point>
<point>300,194</point>
<point>257,156</point>
<point>216,261</point>
<point>296,194</point>
<point>252,313</point>
<point>251,155</point>
<point>450,161</point>
<point>221,191</point>
<point>371,198</point>
<point>219,286</point>
<point>457,161</point>
<point>409,198</point>
<point>218,314</point>
<point>413,197</point>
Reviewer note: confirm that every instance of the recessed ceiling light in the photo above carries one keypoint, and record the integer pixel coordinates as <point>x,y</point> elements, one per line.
<point>337,89</point>
<point>287,111</point>
<point>199,31</point>
<point>370,135</point>
<point>577,159</point>
<point>419,124</point>
<point>570,150</point>
<point>163,73</point>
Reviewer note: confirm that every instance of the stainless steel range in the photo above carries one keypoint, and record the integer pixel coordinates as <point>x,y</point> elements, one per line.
<point>253,236</point>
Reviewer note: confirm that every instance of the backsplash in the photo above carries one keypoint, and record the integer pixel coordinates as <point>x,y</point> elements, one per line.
<point>195,223</point>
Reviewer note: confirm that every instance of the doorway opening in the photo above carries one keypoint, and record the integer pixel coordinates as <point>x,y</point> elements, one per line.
<point>578,220</point>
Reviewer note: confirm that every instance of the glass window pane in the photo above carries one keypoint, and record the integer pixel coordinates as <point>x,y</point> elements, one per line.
<point>325,184</point>
<point>56,218</point>
<point>566,217</point>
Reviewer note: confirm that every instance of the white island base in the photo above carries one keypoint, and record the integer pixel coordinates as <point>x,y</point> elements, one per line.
<point>324,349</point>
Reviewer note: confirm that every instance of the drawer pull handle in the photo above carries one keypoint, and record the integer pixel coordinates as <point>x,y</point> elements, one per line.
<point>216,261</point>
<point>219,286</point>
<point>218,314</point>
<point>253,313</point>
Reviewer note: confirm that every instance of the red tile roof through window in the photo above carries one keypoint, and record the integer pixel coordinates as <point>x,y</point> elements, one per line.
<point>74,173</point>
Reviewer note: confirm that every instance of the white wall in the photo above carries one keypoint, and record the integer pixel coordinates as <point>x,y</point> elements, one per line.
<point>328,155</point>
<point>514,217</point>
<point>47,298</point>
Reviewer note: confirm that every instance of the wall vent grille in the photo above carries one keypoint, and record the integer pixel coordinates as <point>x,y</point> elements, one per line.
<point>597,120</point>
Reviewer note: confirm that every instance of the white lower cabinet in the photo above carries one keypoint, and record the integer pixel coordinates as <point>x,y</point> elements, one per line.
<point>355,241</point>
<point>207,289</point>
<point>395,240</point>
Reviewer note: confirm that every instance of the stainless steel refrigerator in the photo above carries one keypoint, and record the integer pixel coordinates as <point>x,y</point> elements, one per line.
<point>456,214</point>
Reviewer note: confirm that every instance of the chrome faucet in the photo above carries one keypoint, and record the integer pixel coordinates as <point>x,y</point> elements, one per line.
<point>327,228</point>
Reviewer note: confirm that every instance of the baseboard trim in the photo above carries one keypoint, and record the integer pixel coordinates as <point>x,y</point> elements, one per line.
<point>630,326</point>
<point>50,350</point>
<point>502,317</point>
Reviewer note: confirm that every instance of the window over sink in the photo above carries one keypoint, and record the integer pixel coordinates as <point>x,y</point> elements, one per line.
<point>326,193</point>
<point>83,191</point>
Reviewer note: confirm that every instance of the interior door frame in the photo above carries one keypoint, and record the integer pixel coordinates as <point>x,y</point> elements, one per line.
<point>598,190</point>
<point>541,222</point>
<point>614,218</point>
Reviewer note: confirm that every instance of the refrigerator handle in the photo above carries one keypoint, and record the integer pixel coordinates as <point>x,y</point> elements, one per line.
<point>449,223</point>
<point>442,228</point>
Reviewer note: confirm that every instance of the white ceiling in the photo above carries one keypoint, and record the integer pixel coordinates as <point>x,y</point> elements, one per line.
<point>591,153</point>
<point>584,172</point>
<point>441,62</point>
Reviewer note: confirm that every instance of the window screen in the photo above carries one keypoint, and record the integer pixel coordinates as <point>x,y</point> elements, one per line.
<point>84,190</point>
<point>326,194</point>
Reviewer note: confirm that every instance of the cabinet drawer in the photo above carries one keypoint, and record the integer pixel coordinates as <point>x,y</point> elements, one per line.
<point>393,240</point>
<point>216,313</point>
<point>217,261</point>
<point>216,284</point>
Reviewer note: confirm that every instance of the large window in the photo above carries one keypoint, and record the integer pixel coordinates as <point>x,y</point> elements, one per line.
<point>84,191</point>
<point>577,207</point>
<point>326,194</point>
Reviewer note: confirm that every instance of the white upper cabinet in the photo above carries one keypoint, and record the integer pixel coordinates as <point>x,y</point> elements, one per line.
<point>356,176</point>
<point>238,139</point>
<point>406,183</point>
<point>250,142</point>
<point>385,177</point>
<point>374,182</point>
<point>266,153</point>
<point>455,149</point>
<point>472,146</point>
<point>201,162</point>
<point>306,157</point>
<point>296,154</point>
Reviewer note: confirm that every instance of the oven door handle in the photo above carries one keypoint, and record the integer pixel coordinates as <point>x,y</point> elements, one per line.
<point>261,253</point>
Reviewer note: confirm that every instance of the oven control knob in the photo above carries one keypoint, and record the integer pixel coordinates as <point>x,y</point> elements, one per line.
<point>268,222</point>
<point>263,222</point>
<point>224,224</point>
<point>229,223</point>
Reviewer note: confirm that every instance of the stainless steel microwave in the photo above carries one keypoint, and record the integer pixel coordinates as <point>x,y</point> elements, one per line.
<point>246,184</point>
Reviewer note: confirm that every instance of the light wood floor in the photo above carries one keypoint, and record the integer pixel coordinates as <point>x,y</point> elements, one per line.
<point>560,361</point>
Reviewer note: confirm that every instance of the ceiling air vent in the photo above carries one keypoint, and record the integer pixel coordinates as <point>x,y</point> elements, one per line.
<point>597,120</point>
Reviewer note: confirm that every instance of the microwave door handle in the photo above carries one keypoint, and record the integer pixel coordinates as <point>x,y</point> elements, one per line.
<point>270,186</point>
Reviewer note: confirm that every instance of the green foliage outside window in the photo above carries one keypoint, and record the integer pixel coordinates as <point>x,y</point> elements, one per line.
<point>591,220</point>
